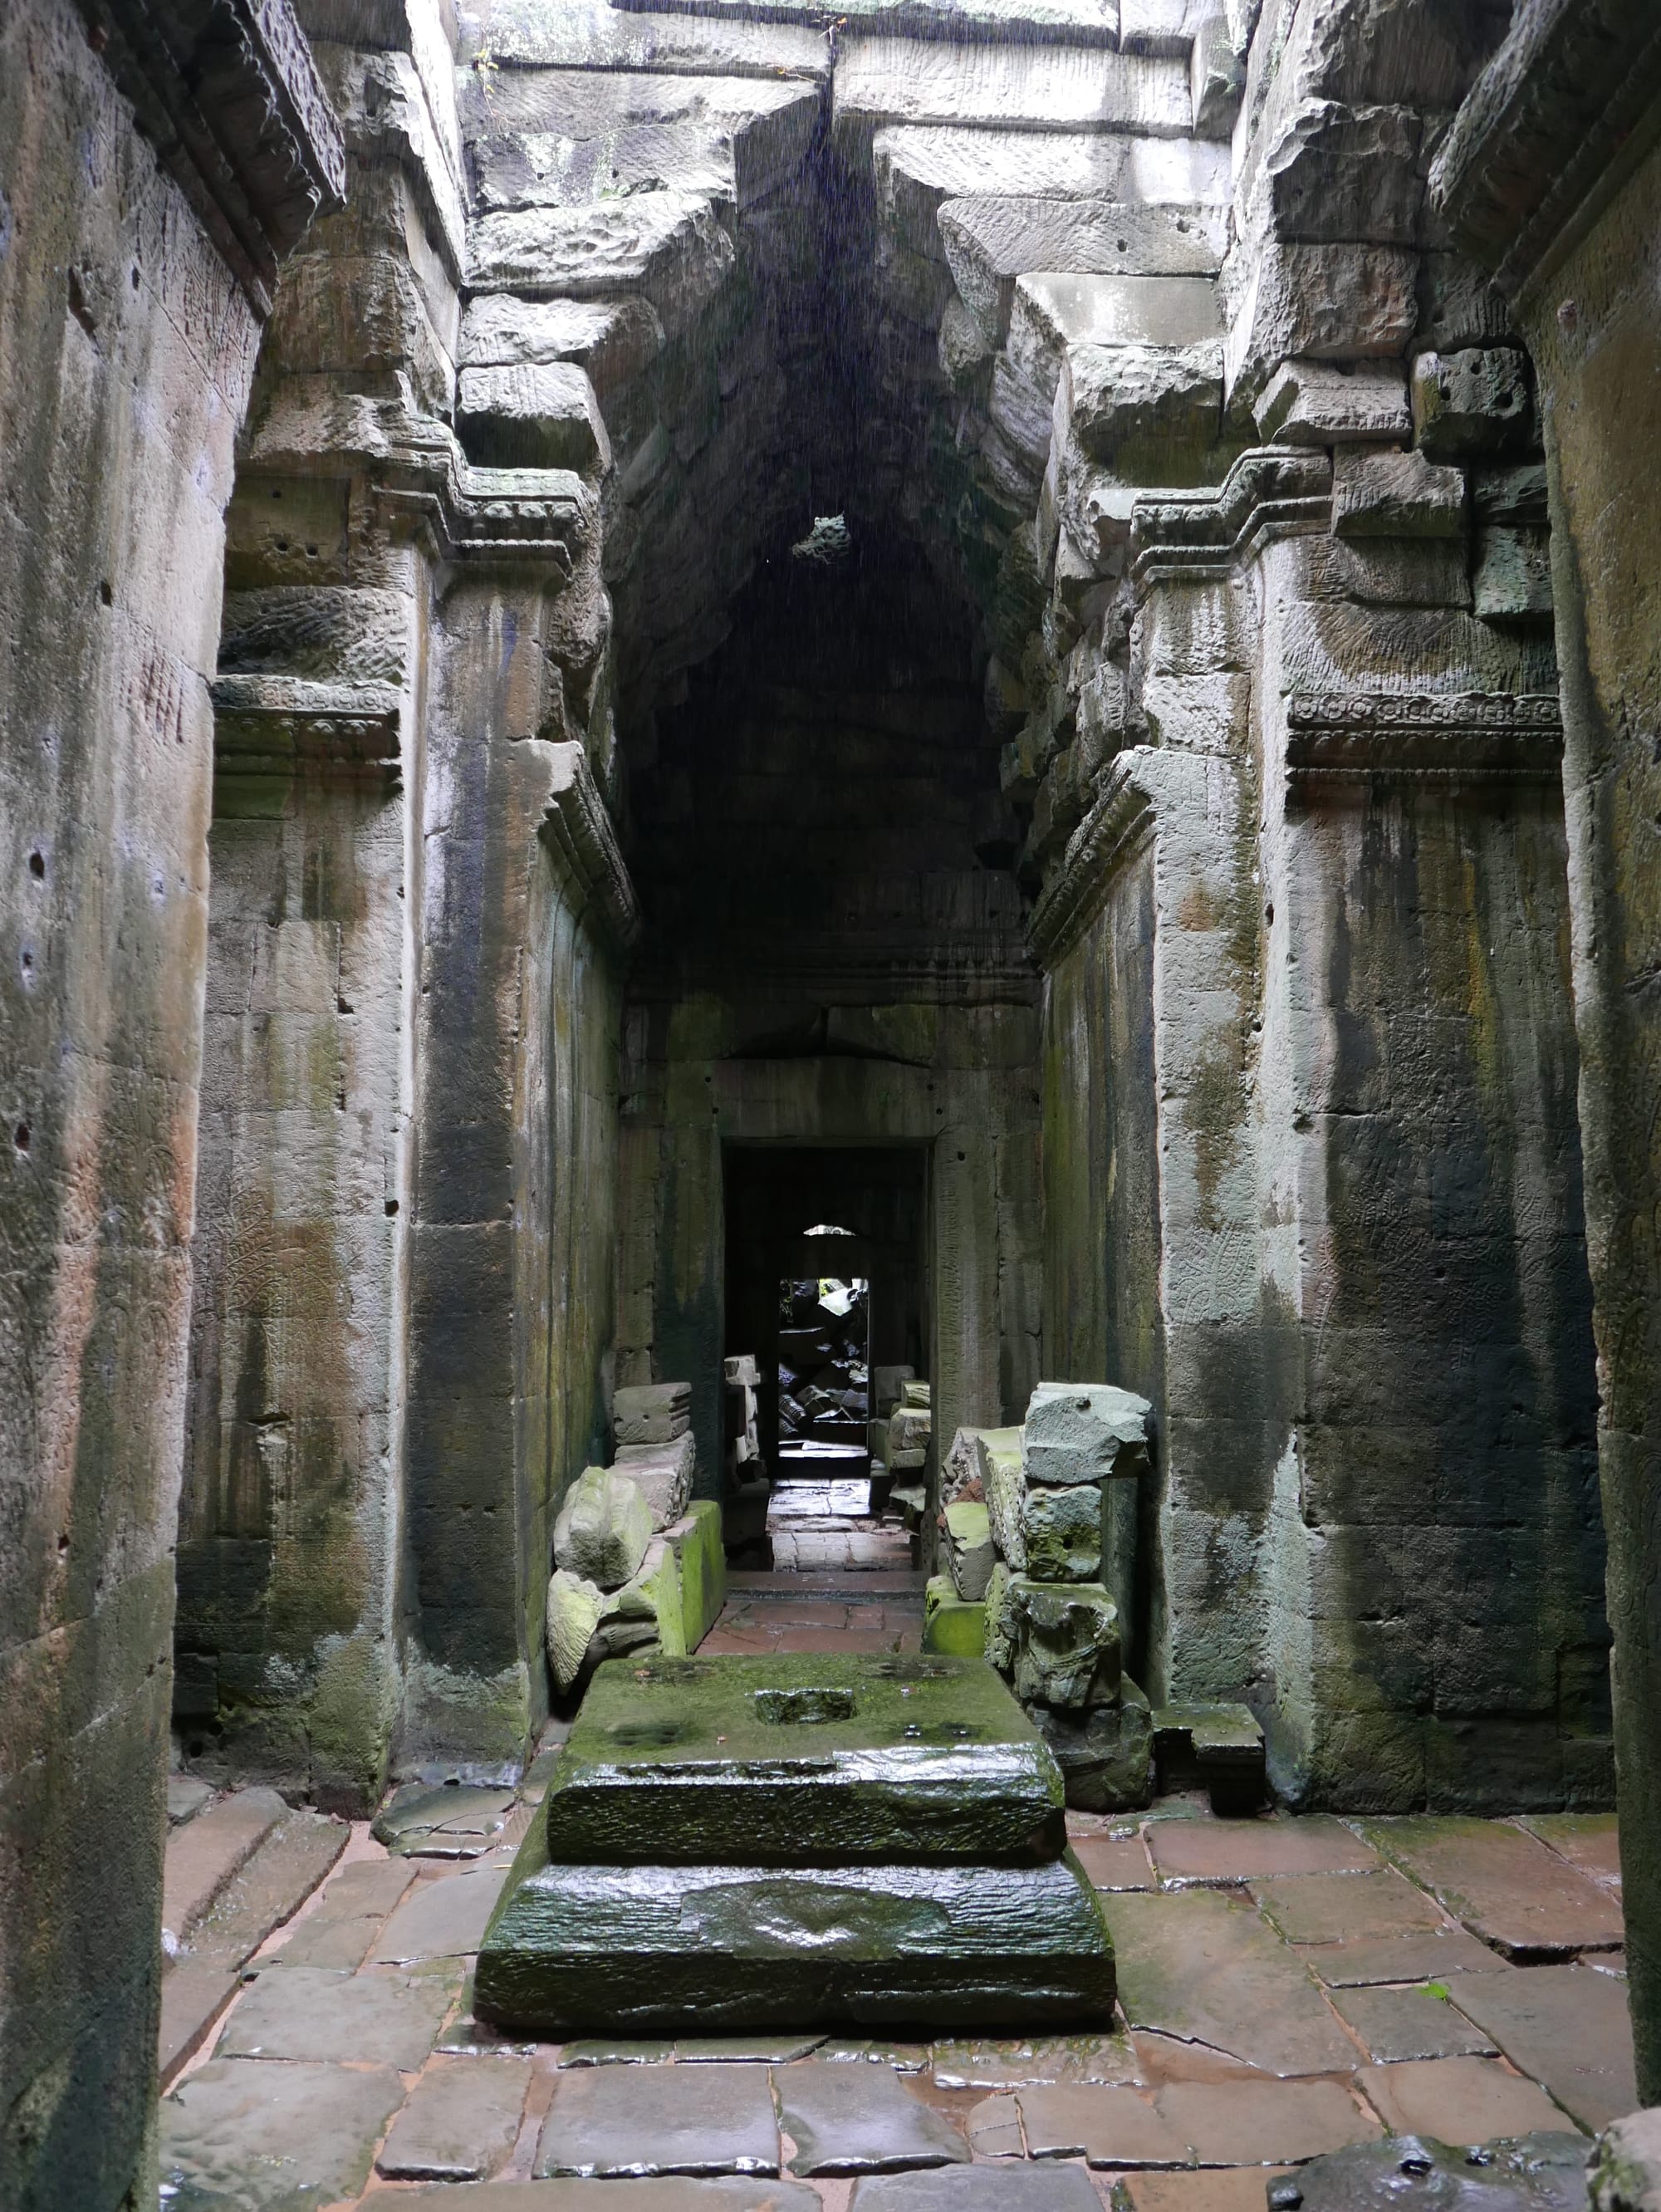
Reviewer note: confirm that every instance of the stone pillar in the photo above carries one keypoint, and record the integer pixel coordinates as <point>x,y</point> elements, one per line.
<point>291,1518</point>
<point>1309,1024</point>
<point>131,297</point>
<point>1551,175</point>
<point>526,910</point>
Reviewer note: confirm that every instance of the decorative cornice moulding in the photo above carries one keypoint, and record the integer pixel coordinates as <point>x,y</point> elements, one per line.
<point>228,95</point>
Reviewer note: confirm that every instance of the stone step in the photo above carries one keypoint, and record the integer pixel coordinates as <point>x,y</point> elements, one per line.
<point>269,1888</point>
<point>829,1759</point>
<point>204,1854</point>
<point>582,1950</point>
<point>1217,1748</point>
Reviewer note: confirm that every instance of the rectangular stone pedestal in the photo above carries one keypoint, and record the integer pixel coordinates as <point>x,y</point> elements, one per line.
<point>656,1950</point>
<point>803,1759</point>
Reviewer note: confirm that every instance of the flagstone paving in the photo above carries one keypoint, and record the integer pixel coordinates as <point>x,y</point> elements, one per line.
<point>1288,1986</point>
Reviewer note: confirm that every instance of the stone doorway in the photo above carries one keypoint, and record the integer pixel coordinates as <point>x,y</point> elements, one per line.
<point>826,1282</point>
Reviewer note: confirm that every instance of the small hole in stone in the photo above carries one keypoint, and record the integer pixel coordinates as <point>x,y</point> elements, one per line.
<point>37,864</point>
<point>63,1546</point>
<point>105,594</point>
<point>282,545</point>
<point>20,1136</point>
<point>804,1708</point>
<point>1268,913</point>
<point>962,1156</point>
<point>392,1208</point>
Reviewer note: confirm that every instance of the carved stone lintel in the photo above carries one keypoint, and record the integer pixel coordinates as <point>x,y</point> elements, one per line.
<point>1115,828</point>
<point>578,831</point>
<point>1469,737</point>
<point>282,725</point>
<point>1566,107</point>
<point>1272,491</point>
<point>228,95</point>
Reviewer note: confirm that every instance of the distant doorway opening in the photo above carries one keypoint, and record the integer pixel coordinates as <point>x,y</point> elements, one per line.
<point>826,1289</point>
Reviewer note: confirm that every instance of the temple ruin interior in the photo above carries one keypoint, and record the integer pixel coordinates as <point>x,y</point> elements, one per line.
<point>830,1105</point>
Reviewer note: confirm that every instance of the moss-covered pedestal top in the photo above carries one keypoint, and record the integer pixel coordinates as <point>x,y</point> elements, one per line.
<point>802,1759</point>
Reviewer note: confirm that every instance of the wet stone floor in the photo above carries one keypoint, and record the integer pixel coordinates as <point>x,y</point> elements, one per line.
<point>1287,1986</point>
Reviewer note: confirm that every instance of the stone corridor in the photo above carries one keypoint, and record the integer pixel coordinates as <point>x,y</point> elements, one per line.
<point>1288,1986</point>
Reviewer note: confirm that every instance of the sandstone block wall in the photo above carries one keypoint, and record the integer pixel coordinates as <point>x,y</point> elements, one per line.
<point>130,314</point>
<point>1551,178</point>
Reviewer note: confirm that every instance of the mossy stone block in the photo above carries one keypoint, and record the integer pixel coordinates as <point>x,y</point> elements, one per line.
<point>1062,1529</point>
<point>659,1950</point>
<point>802,1757</point>
<point>951,1623</point>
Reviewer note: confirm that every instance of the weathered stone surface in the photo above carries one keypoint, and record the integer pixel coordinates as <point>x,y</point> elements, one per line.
<point>572,1614</point>
<point>860,2120</point>
<point>1457,2100</point>
<point>460,2123</point>
<point>1259,1850</point>
<point>1566,2026</point>
<point>1513,578</point>
<point>969,1551</point>
<point>882,80</point>
<point>1085,1432</point>
<point>952,1624</point>
<point>449,1820</point>
<point>833,1759</point>
<point>1262,2123</point>
<point>1312,1907</point>
<point>256,2137</point>
<point>665,1474</point>
<point>441,1919</point>
<point>1590,1841</point>
<point>1106,2127</point>
<point>1066,1643</point>
<point>1506,1886</point>
<point>1319,302</point>
<point>1112,1861</point>
<point>680,2193</point>
<point>186,1796</point>
<point>1354,1962</point>
<point>383,2018</point>
<point>1105,1752</point>
<point>651,1413</point>
<point>1200,1965</point>
<point>1398,2024</point>
<point>1061,1533</point>
<point>615,2122</point>
<point>1113,396</point>
<point>992,2188</point>
<point>1319,403</point>
<point>578,1949</point>
<point>1624,2172</point>
<point>1004,1485</point>
<point>1052,314</point>
<point>532,415</point>
<point>1034,2062</point>
<point>203,1856</point>
<point>990,242</point>
<point>1544,2172</point>
<point>1392,495</point>
<point>613,340</point>
<point>666,246</point>
<point>604,1529</point>
<point>1473,405</point>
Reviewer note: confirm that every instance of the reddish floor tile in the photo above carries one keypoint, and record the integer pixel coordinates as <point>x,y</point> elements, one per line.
<point>1241,2189</point>
<point>1590,1841</point>
<point>1567,2026</point>
<point>1114,1862</point>
<point>1336,1908</point>
<point>1244,1850</point>
<point>1264,2122</point>
<point>1504,1884</point>
<point>1209,1968</point>
<point>1431,1957</point>
<point>1458,2100</point>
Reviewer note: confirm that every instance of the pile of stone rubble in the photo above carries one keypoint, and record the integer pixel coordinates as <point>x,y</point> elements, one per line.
<point>637,1561</point>
<point>1034,1522</point>
<point>907,1431</point>
<point>1038,1530</point>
